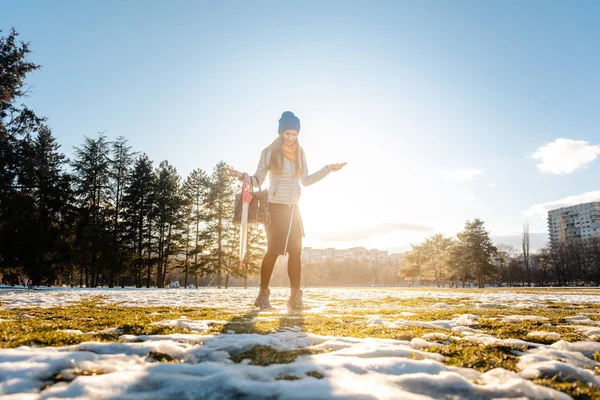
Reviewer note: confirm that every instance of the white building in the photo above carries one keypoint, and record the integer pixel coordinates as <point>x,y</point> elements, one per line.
<point>356,253</point>
<point>578,221</point>
<point>396,258</point>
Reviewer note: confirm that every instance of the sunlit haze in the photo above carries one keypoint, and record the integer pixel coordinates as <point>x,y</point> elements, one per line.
<point>444,111</point>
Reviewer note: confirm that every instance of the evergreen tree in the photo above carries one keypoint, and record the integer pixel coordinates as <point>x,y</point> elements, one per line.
<point>436,249</point>
<point>92,174</point>
<point>119,171</point>
<point>48,198</point>
<point>459,265</point>
<point>478,250</point>
<point>16,122</point>
<point>231,253</point>
<point>196,189</point>
<point>138,203</point>
<point>168,217</point>
<point>187,237</point>
<point>413,262</point>
<point>220,217</point>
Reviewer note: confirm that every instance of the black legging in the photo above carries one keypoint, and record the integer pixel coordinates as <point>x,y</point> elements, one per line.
<point>294,268</point>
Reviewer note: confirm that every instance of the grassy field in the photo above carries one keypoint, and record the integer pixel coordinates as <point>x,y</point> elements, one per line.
<point>94,320</point>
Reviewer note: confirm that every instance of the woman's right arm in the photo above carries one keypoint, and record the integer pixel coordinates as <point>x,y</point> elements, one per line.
<point>263,168</point>
<point>261,171</point>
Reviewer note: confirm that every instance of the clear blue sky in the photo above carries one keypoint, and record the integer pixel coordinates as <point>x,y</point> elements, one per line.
<point>418,97</point>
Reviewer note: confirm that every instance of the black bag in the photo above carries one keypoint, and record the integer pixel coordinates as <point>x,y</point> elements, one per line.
<point>258,210</point>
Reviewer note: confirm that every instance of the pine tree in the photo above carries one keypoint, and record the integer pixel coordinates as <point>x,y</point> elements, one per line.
<point>14,120</point>
<point>196,188</point>
<point>435,250</point>
<point>49,195</point>
<point>478,250</point>
<point>231,253</point>
<point>92,174</point>
<point>119,172</point>
<point>16,123</point>
<point>138,203</point>
<point>220,217</point>
<point>187,237</point>
<point>168,217</point>
<point>414,260</point>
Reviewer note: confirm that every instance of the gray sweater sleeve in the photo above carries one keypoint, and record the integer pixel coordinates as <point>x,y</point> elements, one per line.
<point>263,168</point>
<point>307,179</point>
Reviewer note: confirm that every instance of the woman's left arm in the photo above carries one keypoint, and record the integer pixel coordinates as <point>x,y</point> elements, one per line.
<point>307,179</point>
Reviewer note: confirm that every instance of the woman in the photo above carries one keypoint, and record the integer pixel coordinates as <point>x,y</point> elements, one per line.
<point>285,162</point>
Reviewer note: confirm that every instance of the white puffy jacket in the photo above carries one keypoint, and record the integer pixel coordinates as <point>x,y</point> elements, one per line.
<point>284,188</point>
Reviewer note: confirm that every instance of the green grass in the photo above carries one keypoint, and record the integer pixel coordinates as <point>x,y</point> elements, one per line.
<point>265,355</point>
<point>577,390</point>
<point>43,327</point>
<point>479,357</point>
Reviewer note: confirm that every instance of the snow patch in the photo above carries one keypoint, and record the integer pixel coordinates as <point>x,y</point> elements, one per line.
<point>581,319</point>
<point>191,325</point>
<point>512,319</point>
<point>544,335</point>
<point>71,331</point>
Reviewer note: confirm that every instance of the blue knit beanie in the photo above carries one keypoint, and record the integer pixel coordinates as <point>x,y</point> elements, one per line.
<point>288,121</point>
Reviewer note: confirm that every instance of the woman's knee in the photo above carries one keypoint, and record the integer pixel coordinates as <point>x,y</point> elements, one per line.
<point>271,256</point>
<point>295,255</point>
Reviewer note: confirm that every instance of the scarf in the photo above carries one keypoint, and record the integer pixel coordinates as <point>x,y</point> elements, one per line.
<point>291,151</point>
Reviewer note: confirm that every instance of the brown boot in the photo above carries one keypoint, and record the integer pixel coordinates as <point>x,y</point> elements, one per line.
<point>295,302</point>
<point>262,301</point>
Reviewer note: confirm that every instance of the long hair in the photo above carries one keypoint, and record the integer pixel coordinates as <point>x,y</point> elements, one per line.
<point>276,162</point>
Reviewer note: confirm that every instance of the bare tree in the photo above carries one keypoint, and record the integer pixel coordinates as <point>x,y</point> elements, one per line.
<point>526,260</point>
<point>543,262</point>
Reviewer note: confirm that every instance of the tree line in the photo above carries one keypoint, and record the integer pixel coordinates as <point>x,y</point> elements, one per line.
<point>452,261</point>
<point>571,262</point>
<point>471,257</point>
<point>108,216</point>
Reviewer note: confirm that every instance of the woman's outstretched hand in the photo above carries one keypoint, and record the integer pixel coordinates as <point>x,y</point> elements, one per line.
<point>235,173</point>
<point>336,167</point>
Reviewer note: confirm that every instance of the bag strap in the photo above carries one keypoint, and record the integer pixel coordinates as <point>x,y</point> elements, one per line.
<point>252,185</point>
<point>259,188</point>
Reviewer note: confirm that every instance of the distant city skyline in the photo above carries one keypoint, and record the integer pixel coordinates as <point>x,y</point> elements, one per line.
<point>377,256</point>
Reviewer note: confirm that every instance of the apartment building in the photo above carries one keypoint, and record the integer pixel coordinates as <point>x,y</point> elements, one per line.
<point>578,221</point>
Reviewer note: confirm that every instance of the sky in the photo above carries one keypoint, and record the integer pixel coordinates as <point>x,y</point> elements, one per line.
<point>445,111</point>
